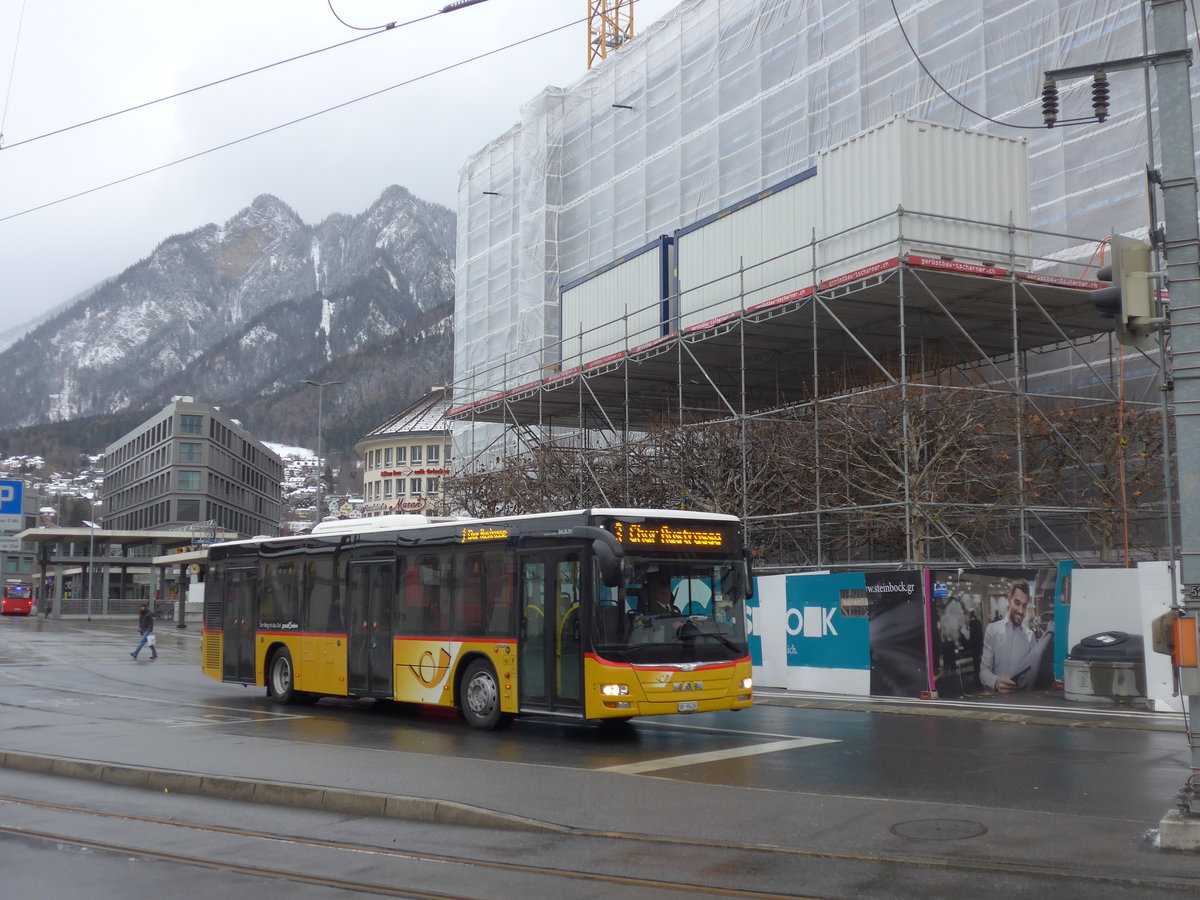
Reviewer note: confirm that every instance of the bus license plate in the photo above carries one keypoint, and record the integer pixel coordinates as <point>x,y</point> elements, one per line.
<point>688,705</point>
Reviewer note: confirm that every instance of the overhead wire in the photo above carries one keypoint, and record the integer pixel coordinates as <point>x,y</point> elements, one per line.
<point>390,26</point>
<point>12,71</point>
<point>219,81</point>
<point>296,121</point>
<point>357,27</point>
<point>944,90</point>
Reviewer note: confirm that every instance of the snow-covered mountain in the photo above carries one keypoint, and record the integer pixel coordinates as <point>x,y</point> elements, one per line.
<point>242,311</point>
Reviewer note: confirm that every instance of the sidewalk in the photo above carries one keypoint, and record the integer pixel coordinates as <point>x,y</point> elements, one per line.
<point>1032,707</point>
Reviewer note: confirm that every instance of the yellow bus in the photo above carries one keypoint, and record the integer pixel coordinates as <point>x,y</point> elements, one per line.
<point>550,614</point>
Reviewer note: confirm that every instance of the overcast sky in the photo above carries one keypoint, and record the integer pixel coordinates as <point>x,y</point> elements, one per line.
<point>64,62</point>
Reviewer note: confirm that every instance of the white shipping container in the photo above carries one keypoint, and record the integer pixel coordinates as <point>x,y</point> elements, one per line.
<point>959,191</point>
<point>981,182</point>
<point>616,308</point>
<point>761,248</point>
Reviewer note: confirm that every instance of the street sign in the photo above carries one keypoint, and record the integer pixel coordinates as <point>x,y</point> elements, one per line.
<point>12,495</point>
<point>9,545</point>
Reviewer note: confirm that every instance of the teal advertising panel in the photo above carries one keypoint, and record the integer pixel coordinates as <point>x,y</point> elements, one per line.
<point>753,637</point>
<point>1062,616</point>
<point>827,624</point>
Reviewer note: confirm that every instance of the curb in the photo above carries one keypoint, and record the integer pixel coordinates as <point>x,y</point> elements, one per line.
<point>362,803</point>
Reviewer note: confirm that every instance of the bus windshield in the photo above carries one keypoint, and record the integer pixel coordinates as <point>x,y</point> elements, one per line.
<point>672,611</point>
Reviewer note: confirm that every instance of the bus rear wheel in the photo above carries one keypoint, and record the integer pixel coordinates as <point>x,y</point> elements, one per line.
<point>480,698</point>
<point>281,678</point>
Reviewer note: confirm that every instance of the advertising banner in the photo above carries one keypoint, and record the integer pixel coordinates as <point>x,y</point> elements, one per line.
<point>992,630</point>
<point>899,647</point>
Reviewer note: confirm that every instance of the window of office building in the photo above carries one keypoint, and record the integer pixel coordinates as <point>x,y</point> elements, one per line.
<point>414,486</point>
<point>416,455</point>
<point>431,485</point>
<point>189,451</point>
<point>189,481</point>
<point>387,456</point>
<point>191,424</point>
<point>387,487</point>
<point>188,510</point>
<point>433,453</point>
<point>401,455</point>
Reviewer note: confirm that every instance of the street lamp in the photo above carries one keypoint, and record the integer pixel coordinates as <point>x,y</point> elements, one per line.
<point>320,386</point>
<point>92,526</point>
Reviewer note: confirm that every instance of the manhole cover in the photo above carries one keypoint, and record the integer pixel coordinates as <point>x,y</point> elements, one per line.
<point>939,829</point>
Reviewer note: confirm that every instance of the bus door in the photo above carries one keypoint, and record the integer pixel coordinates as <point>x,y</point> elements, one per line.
<point>551,657</point>
<point>238,623</point>
<point>369,627</point>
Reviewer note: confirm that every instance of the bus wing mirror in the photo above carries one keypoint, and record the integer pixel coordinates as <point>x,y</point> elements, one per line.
<point>607,550</point>
<point>748,574</point>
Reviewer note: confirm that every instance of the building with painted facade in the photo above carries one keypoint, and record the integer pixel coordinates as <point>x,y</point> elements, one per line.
<point>407,459</point>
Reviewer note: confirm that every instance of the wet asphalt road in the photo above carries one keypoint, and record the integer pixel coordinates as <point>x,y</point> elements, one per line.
<point>991,789</point>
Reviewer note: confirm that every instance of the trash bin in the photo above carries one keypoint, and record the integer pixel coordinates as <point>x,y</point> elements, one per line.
<point>1106,669</point>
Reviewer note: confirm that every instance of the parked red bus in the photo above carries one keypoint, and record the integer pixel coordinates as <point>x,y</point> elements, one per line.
<point>18,600</point>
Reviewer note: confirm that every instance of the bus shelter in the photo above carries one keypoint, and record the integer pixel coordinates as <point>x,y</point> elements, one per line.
<point>95,571</point>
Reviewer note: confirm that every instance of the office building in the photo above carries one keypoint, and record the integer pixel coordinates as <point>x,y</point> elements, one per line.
<point>191,466</point>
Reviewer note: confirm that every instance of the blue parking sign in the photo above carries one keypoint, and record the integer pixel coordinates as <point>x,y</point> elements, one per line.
<point>10,496</point>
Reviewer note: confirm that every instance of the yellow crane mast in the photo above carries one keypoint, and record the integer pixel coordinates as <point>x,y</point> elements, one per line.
<point>610,24</point>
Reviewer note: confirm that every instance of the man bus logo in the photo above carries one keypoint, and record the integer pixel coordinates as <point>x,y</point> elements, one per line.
<point>811,622</point>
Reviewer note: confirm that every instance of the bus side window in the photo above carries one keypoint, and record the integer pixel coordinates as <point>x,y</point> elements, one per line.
<point>433,574</point>
<point>469,609</point>
<point>320,606</point>
<point>499,593</point>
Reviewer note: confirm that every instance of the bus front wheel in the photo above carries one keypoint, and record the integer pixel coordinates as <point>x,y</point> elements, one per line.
<point>481,697</point>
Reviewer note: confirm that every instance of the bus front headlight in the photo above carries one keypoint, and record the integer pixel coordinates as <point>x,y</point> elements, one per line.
<point>614,690</point>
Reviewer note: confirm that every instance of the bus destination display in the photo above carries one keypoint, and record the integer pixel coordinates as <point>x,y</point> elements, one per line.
<point>668,535</point>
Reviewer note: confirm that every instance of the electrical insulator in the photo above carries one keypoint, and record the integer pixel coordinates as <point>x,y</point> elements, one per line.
<point>1100,96</point>
<point>1050,103</point>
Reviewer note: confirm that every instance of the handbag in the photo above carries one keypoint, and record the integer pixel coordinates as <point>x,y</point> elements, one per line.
<point>151,640</point>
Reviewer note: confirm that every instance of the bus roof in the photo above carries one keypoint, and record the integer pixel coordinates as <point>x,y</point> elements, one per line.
<point>406,522</point>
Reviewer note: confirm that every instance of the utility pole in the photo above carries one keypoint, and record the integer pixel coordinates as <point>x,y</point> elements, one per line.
<point>1180,244</point>
<point>320,386</point>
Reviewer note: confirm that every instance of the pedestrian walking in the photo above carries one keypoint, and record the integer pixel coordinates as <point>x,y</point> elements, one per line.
<point>146,628</point>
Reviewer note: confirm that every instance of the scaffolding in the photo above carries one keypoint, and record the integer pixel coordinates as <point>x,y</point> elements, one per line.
<point>916,355</point>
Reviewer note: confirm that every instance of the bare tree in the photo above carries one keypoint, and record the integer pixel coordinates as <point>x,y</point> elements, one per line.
<point>916,466</point>
<point>1104,462</point>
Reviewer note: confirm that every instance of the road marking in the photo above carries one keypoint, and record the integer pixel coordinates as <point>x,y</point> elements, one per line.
<point>713,729</point>
<point>217,719</point>
<point>693,759</point>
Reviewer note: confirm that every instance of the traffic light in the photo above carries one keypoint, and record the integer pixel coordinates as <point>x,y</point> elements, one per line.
<point>1128,302</point>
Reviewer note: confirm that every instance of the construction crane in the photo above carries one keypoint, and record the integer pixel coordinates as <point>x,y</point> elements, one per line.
<point>610,24</point>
